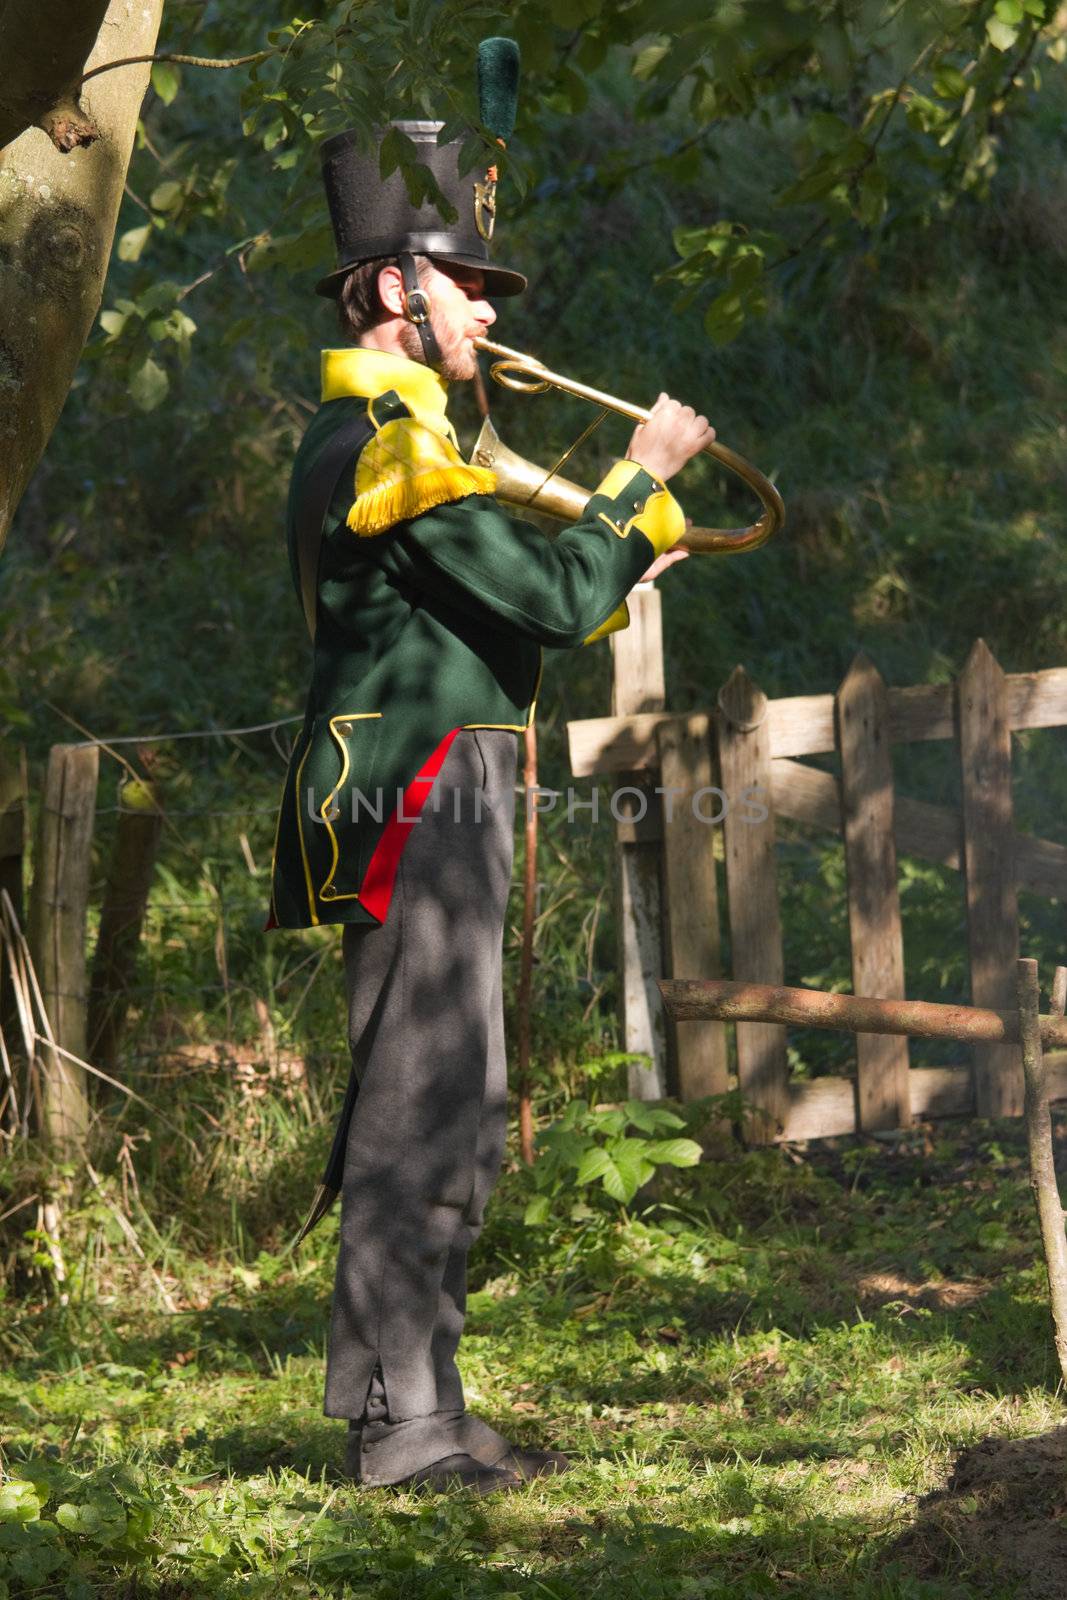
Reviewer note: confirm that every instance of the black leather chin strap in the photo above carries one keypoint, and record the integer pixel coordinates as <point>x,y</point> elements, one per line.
<point>417,310</point>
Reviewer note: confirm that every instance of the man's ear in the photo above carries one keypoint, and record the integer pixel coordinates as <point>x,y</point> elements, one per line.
<point>391,290</point>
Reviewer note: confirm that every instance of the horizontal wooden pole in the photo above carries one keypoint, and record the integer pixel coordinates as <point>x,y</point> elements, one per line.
<point>803,725</point>
<point>700,999</point>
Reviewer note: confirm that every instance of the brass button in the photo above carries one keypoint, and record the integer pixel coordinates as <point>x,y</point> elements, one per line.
<point>344,729</point>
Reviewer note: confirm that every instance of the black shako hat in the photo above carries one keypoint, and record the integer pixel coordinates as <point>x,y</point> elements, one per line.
<point>373,217</point>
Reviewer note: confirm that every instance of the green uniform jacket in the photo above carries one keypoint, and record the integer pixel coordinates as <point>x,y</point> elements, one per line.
<point>433,606</point>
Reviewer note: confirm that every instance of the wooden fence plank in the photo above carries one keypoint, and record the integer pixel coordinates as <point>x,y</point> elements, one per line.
<point>803,725</point>
<point>875,934</point>
<point>752,894</point>
<point>12,846</point>
<point>989,869</point>
<point>691,920</point>
<point>129,880</point>
<point>599,745</point>
<point>824,1107</point>
<point>58,903</point>
<point>638,687</point>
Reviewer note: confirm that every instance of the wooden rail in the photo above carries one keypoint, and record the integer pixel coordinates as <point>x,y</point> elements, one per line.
<point>803,725</point>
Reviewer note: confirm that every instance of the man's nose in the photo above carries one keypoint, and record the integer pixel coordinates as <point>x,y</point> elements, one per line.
<point>485,313</point>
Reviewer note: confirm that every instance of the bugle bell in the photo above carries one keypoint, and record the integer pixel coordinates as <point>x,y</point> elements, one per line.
<point>521,483</point>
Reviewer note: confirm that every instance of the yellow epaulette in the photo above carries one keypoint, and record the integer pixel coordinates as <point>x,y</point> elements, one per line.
<point>406,469</point>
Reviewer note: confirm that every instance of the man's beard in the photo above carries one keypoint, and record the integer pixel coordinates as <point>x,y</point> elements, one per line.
<point>457,357</point>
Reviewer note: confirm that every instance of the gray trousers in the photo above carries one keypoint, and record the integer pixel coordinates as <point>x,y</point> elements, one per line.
<point>426,1138</point>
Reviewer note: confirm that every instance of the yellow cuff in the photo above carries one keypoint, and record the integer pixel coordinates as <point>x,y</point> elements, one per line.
<point>620,618</point>
<point>644,503</point>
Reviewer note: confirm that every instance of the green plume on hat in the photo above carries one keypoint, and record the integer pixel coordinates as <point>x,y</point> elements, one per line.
<point>498,86</point>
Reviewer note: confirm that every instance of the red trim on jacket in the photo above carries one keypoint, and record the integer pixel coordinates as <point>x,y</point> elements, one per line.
<point>376,890</point>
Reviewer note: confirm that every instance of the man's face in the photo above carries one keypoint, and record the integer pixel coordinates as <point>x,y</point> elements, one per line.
<point>459,314</point>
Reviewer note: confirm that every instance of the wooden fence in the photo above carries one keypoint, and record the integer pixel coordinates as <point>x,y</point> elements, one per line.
<point>667,898</point>
<point>80,1011</point>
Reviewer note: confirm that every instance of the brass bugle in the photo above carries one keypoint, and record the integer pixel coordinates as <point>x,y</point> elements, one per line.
<point>521,483</point>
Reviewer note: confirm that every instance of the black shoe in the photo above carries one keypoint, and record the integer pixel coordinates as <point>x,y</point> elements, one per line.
<point>528,1464</point>
<point>460,1474</point>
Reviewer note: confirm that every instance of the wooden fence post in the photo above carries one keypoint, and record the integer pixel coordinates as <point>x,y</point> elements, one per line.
<point>875,936</point>
<point>638,685</point>
<point>129,880</point>
<point>989,868</point>
<point>12,846</point>
<point>57,933</point>
<point>691,921</point>
<point>752,894</point>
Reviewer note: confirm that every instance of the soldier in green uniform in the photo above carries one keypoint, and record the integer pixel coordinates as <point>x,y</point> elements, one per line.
<point>429,606</point>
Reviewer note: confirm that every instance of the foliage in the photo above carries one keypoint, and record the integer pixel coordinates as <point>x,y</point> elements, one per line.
<point>592,1145</point>
<point>863,122</point>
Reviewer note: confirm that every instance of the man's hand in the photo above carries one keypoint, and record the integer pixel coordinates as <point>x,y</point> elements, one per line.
<point>660,565</point>
<point>673,435</point>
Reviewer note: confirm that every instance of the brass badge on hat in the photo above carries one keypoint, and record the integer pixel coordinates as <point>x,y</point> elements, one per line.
<point>485,205</point>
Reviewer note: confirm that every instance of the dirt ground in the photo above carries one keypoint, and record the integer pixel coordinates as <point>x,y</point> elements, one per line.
<point>1004,1511</point>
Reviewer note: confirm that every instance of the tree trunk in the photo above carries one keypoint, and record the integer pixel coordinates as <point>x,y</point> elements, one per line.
<point>61,179</point>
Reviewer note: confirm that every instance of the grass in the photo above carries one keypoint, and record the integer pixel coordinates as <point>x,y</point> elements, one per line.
<point>756,1377</point>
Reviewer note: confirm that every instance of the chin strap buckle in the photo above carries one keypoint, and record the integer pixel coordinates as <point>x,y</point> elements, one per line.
<point>417,310</point>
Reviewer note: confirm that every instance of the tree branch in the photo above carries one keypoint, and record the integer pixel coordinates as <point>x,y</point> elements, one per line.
<point>1042,1159</point>
<point>185,61</point>
<point>44,45</point>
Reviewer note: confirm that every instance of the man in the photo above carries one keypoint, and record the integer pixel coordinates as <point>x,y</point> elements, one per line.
<point>429,606</point>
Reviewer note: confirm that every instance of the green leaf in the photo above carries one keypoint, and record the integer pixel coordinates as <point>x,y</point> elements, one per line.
<point>650,1119</point>
<point>725,317</point>
<point>133,242</point>
<point>537,1211</point>
<point>871,205</point>
<point>165,195</point>
<point>102,1520</point>
<point>611,1122</point>
<point>675,1152</point>
<point>689,241</point>
<point>1009,11</point>
<point>36,1565</point>
<point>815,184</point>
<point>113,322</point>
<point>157,297</point>
<point>1001,35</point>
<point>148,385</point>
<point>630,1160</point>
<point>19,1501</point>
<point>648,59</point>
<point>949,82</point>
<point>593,1165</point>
<point>828,132</point>
<point>615,1184</point>
<point>395,148</point>
<point>274,134</point>
<point>166,80</point>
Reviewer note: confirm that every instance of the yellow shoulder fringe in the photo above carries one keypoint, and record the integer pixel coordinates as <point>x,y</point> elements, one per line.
<point>407,469</point>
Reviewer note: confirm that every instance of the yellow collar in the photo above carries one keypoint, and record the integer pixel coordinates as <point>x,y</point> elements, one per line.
<point>355,370</point>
